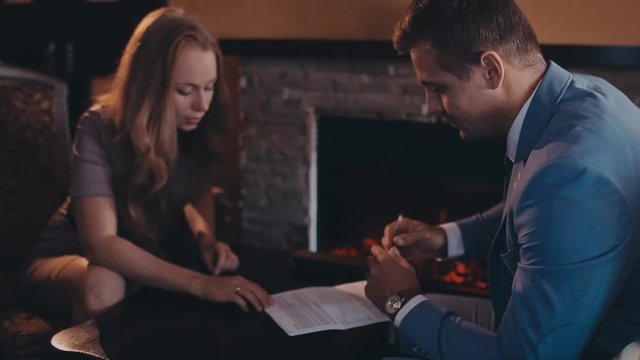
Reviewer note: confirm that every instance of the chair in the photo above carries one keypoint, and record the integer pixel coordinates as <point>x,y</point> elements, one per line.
<point>34,180</point>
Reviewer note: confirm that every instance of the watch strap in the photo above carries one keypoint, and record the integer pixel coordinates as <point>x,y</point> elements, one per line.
<point>405,295</point>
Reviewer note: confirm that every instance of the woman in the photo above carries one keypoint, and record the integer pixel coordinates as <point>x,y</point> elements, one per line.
<point>142,172</point>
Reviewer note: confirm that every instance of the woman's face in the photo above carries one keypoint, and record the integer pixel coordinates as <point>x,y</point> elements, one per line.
<point>194,76</point>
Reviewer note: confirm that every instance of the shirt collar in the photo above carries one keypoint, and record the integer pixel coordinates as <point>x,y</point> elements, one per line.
<point>514,132</point>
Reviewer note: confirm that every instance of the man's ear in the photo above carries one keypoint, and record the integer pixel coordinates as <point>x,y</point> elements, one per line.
<point>492,69</point>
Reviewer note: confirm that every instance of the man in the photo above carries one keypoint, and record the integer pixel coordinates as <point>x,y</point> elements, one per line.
<point>564,246</point>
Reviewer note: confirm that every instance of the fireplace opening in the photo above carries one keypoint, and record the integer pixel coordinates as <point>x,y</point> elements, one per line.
<point>367,171</point>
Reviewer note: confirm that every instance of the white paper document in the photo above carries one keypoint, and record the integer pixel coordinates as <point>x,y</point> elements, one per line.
<point>312,309</point>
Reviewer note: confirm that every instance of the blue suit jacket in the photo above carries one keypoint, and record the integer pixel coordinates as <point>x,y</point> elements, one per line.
<point>564,265</point>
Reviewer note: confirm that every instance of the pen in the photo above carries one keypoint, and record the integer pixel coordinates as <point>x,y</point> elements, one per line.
<point>400,218</point>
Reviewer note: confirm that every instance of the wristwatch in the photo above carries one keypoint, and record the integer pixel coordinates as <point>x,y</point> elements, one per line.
<point>396,301</point>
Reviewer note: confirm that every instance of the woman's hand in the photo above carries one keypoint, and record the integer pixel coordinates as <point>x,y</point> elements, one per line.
<point>218,257</point>
<point>231,289</point>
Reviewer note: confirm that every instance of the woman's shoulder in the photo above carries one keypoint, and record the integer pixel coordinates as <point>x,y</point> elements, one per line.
<point>95,120</point>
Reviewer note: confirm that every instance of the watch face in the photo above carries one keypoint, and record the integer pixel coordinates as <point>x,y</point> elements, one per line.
<point>393,304</point>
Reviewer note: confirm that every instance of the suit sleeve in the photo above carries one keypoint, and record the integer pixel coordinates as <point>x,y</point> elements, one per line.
<point>478,231</point>
<point>573,229</point>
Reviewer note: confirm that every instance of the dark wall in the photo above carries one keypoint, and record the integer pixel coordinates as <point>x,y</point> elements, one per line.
<point>70,39</point>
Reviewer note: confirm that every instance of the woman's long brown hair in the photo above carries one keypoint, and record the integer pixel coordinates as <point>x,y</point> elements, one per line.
<point>145,147</point>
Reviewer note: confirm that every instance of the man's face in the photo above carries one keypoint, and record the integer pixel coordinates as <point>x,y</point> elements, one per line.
<point>468,105</point>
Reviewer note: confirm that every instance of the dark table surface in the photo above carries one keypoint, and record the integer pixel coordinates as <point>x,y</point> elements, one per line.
<point>154,324</point>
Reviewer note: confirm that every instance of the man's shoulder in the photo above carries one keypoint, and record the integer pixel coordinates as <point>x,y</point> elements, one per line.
<point>593,110</point>
<point>587,93</point>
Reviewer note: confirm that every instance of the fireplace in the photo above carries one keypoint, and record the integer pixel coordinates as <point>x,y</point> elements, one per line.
<point>371,170</point>
<point>367,171</point>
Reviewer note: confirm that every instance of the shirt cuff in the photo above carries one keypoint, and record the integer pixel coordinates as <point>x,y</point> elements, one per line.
<point>407,307</point>
<point>455,247</point>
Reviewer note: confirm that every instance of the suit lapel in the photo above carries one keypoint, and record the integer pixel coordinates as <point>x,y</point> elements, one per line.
<point>551,89</point>
<point>553,85</point>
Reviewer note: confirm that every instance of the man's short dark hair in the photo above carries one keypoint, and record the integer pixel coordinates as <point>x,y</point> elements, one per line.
<point>460,30</point>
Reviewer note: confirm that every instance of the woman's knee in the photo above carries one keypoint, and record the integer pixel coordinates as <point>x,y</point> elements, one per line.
<point>51,284</point>
<point>103,289</point>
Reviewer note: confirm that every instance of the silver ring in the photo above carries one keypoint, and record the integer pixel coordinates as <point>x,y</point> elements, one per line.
<point>238,290</point>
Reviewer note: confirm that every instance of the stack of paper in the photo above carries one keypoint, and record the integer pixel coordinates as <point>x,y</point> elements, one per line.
<point>312,309</point>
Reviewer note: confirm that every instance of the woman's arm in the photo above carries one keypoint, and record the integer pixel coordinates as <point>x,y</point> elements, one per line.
<point>97,226</point>
<point>200,215</point>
